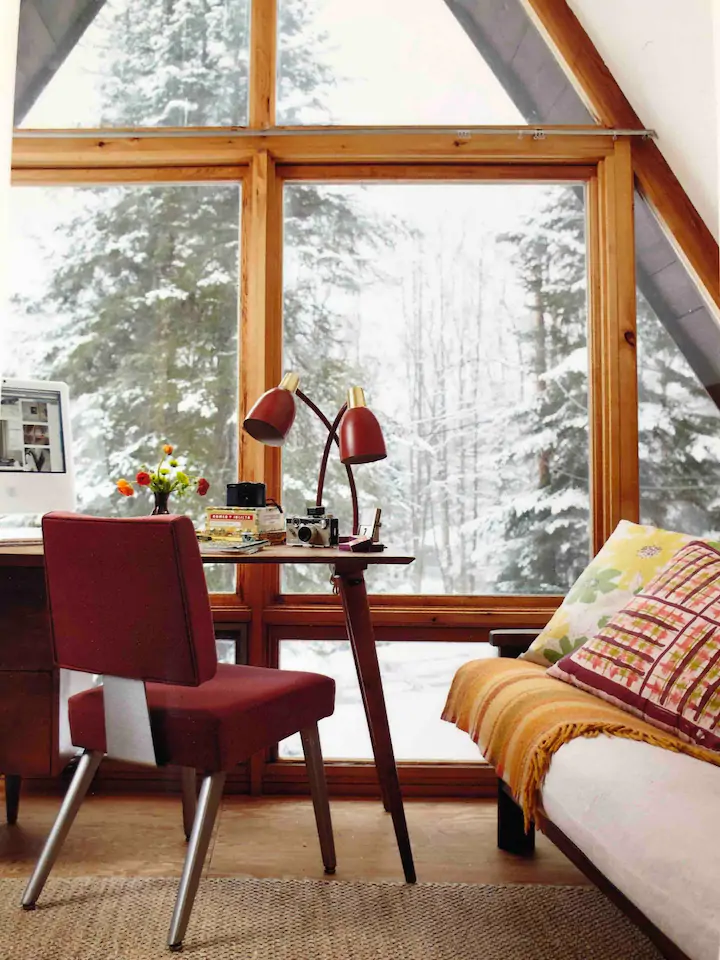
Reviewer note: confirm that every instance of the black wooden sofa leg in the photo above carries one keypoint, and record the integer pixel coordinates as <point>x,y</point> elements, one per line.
<point>12,796</point>
<point>511,834</point>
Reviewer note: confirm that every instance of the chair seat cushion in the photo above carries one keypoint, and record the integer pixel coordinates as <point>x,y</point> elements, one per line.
<point>220,723</point>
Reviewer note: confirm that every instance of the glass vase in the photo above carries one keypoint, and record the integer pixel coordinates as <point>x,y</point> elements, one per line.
<point>161,504</point>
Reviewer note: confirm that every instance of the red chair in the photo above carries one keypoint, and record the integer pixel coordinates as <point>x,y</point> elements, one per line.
<point>128,600</point>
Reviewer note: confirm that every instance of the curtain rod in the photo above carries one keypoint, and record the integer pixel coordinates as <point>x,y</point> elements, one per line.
<point>465,133</point>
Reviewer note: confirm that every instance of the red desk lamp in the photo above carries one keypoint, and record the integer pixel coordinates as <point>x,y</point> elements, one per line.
<point>355,429</point>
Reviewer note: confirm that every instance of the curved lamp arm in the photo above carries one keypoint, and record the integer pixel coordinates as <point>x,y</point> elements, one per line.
<point>332,436</point>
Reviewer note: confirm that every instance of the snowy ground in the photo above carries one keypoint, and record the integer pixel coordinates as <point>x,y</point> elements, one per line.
<point>416,678</point>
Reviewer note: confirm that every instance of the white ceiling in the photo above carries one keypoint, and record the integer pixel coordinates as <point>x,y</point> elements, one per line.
<point>661,53</point>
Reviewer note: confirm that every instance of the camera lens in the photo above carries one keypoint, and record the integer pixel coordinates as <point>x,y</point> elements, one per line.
<point>305,534</point>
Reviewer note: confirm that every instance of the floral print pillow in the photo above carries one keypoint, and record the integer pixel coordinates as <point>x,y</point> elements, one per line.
<point>630,558</point>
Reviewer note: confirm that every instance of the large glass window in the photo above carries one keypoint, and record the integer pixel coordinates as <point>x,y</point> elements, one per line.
<point>130,295</point>
<point>158,63</point>
<point>678,360</point>
<point>416,679</point>
<point>406,62</point>
<point>461,308</point>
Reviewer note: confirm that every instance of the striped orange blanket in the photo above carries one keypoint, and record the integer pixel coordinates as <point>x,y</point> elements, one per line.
<point>519,717</point>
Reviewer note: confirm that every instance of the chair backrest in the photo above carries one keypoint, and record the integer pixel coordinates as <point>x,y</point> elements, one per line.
<point>128,598</point>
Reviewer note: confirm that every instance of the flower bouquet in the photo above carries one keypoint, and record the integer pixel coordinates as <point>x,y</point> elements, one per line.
<point>167,478</point>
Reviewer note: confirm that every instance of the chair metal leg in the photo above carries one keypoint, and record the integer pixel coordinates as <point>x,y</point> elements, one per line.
<point>188,782</point>
<point>318,788</point>
<point>12,796</point>
<point>89,762</point>
<point>208,804</point>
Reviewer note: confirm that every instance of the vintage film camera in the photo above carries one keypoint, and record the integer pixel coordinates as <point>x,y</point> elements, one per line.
<point>317,529</point>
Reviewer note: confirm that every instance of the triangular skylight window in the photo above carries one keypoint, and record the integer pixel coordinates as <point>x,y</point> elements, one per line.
<point>415,62</point>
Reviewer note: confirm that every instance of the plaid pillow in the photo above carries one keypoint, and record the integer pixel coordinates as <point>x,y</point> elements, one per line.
<point>659,657</point>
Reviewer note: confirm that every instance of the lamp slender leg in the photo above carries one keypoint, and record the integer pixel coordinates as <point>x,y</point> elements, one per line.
<point>86,768</point>
<point>208,804</point>
<point>188,783</point>
<point>351,585</point>
<point>318,788</point>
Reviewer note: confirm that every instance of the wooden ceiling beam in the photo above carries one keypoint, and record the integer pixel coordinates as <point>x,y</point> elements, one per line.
<point>596,85</point>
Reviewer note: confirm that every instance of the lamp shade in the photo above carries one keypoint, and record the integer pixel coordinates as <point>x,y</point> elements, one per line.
<point>271,417</point>
<point>361,439</point>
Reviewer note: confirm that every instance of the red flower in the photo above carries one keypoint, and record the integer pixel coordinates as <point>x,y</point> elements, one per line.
<point>202,486</point>
<point>143,479</point>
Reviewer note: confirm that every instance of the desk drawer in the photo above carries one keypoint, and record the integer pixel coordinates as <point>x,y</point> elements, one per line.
<point>25,640</point>
<point>28,706</point>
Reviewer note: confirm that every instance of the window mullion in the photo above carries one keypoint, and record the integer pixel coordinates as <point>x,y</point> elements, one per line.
<point>613,361</point>
<point>263,58</point>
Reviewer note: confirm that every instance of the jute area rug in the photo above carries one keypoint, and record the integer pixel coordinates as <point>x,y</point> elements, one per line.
<point>238,919</point>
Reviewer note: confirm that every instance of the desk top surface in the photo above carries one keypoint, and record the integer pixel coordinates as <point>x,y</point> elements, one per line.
<point>31,555</point>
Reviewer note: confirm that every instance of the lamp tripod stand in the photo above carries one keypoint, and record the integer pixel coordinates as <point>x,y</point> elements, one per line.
<point>332,437</point>
<point>355,430</point>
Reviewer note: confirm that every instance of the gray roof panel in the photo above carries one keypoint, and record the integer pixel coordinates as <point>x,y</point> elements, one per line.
<point>49,29</point>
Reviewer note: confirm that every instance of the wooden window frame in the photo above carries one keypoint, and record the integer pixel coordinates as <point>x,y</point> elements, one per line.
<point>263,158</point>
<point>612,361</point>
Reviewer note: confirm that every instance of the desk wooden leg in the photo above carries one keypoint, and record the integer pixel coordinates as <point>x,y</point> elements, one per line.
<point>362,639</point>
<point>12,796</point>
<point>383,786</point>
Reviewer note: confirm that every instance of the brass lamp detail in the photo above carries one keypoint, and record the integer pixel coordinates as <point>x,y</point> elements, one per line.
<point>291,381</point>
<point>356,398</point>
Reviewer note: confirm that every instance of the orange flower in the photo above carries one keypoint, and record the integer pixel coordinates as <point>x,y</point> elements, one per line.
<point>167,449</point>
<point>125,488</point>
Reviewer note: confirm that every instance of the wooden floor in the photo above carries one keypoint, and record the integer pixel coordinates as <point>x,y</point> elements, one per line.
<point>275,837</point>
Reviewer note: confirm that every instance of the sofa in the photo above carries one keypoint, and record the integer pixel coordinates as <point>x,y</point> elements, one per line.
<point>640,821</point>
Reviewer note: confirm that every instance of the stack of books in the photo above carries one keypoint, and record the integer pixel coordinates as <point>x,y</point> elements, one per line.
<point>240,525</point>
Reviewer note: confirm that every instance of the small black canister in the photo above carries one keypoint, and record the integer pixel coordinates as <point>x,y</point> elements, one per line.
<point>246,495</point>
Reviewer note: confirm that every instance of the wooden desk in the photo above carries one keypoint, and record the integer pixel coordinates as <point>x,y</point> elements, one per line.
<point>29,682</point>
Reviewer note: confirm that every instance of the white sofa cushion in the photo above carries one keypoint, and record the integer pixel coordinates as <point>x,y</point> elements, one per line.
<point>649,820</point>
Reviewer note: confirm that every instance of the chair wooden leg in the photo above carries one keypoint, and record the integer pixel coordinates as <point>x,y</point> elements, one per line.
<point>318,788</point>
<point>12,796</point>
<point>89,762</point>
<point>511,834</point>
<point>208,804</point>
<point>188,782</point>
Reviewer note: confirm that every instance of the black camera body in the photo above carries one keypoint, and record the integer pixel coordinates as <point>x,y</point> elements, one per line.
<point>320,530</point>
<point>246,494</point>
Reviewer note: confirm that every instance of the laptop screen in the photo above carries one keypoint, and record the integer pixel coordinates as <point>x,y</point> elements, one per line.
<point>31,431</point>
